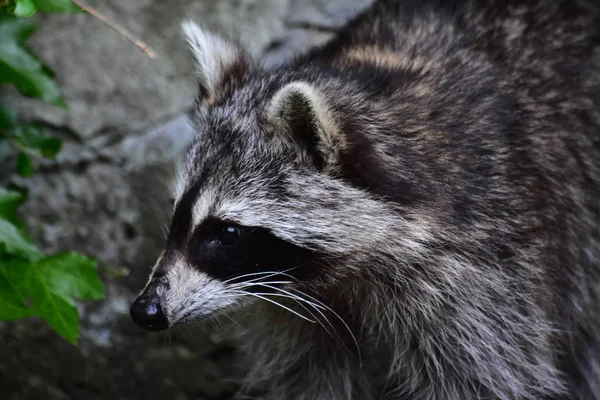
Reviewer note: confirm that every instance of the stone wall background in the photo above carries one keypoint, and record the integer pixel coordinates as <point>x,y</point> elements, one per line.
<point>107,194</point>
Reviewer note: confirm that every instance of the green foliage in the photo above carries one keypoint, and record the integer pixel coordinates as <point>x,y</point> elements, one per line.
<point>26,8</point>
<point>31,139</point>
<point>18,65</point>
<point>47,287</point>
<point>32,283</point>
<point>27,138</point>
<point>14,242</point>
<point>24,165</point>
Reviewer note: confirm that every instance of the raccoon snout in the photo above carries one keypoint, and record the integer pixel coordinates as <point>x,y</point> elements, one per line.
<point>147,313</point>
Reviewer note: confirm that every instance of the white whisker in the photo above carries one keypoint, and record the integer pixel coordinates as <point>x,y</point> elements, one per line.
<point>338,316</point>
<point>262,296</point>
<point>262,275</point>
<point>282,306</point>
<point>299,299</point>
<point>250,284</point>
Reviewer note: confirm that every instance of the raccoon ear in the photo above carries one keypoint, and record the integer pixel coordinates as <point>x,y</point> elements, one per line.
<point>218,61</point>
<point>303,110</point>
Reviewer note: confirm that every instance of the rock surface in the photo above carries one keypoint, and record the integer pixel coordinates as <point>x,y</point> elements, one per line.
<point>107,194</point>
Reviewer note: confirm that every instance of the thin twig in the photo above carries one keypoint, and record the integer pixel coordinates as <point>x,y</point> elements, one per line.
<point>124,32</point>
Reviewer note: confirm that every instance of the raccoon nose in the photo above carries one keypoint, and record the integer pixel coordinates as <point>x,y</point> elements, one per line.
<point>147,313</point>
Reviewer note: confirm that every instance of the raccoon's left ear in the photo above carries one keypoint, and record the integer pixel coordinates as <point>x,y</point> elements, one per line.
<point>219,62</point>
<point>303,111</point>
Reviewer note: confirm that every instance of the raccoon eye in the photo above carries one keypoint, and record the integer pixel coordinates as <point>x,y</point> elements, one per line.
<point>228,234</point>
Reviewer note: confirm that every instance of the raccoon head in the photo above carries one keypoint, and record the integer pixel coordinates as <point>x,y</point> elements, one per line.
<point>262,203</point>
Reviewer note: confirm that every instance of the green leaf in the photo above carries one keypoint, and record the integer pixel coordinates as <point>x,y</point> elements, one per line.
<point>22,190</point>
<point>12,305</point>
<point>9,201</point>
<point>51,147</point>
<point>31,139</point>
<point>31,288</point>
<point>51,284</point>
<point>13,238</point>
<point>15,242</point>
<point>19,67</point>
<point>72,275</point>
<point>8,117</point>
<point>7,7</point>
<point>24,8</point>
<point>56,6</point>
<point>24,165</point>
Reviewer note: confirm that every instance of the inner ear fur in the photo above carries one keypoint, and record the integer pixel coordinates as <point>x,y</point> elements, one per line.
<point>219,61</point>
<point>303,111</point>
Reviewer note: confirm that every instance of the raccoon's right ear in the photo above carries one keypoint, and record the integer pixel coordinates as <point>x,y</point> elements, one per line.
<point>219,62</point>
<point>303,110</point>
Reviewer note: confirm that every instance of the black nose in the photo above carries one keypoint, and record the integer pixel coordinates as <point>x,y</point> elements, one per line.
<point>147,313</point>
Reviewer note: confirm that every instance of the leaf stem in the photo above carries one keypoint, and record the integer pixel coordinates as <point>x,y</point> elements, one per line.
<point>124,32</point>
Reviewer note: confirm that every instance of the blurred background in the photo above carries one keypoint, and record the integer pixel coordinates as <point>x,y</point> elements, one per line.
<point>107,193</point>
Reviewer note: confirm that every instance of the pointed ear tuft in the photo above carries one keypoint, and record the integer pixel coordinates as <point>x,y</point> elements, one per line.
<point>303,111</point>
<point>218,61</point>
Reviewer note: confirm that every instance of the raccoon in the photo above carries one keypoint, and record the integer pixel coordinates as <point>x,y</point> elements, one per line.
<point>409,211</point>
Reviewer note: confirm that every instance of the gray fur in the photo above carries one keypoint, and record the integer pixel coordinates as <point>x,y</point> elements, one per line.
<point>461,254</point>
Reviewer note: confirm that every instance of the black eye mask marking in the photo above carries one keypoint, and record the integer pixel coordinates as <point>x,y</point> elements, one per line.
<point>226,250</point>
<point>228,234</point>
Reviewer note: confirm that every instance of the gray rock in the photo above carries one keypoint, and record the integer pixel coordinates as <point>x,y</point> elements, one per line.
<point>107,194</point>
<point>324,14</point>
<point>292,44</point>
